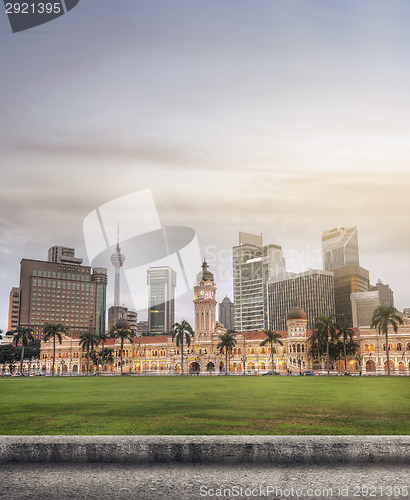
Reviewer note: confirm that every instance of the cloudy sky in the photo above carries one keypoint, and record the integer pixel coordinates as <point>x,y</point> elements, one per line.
<point>276,117</point>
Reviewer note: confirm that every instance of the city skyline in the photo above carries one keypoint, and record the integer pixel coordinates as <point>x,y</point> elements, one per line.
<point>281,118</point>
<point>62,254</point>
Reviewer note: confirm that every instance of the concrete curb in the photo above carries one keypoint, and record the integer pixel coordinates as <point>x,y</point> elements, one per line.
<point>207,449</point>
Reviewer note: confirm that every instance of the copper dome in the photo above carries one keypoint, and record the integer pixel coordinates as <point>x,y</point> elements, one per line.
<point>296,313</point>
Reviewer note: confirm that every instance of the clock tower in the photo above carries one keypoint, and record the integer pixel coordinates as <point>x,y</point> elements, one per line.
<point>205,304</point>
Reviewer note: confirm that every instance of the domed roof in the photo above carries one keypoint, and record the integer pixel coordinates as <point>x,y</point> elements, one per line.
<point>205,275</point>
<point>296,313</point>
<point>122,324</point>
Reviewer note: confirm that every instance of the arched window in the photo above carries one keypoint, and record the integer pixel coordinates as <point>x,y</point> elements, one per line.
<point>399,346</point>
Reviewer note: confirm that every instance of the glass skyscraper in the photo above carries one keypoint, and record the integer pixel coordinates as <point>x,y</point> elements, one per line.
<point>161,299</point>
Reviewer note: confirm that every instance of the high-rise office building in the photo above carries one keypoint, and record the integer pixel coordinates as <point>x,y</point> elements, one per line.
<point>340,247</point>
<point>312,291</point>
<point>364,303</point>
<point>341,255</point>
<point>14,309</point>
<point>363,306</point>
<point>226,313</point>
<point>253,266</point>
<point>348,279</point>
<point>63,255</point>
<point>142,328</point>
<point>116,313</point>
<point>70,294</point>
<point>385,293</point>
<point>161,299</point>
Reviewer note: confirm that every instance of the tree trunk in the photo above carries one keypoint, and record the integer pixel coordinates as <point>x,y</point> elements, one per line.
<point>122,345</point>
<point>344,348</point>
<point>271,353</point>
<point>182,356</point>
<point>327,357</point>
<point>226,361</point>
<point>387,354</point>
<point>22,357</point>
<point>54,354</point>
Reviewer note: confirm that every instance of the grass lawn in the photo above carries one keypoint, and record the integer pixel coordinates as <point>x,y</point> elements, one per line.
<point>205,405</point>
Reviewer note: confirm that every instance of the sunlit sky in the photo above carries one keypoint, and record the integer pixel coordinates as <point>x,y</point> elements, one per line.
<point>279,117</point>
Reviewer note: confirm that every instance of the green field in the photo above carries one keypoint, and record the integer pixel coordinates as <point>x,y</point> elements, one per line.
<point>205,405</point>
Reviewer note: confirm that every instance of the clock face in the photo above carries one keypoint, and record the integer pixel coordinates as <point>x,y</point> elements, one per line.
<point>202,293</point>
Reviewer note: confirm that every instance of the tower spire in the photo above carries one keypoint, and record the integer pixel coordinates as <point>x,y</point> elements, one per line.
<point>117,260</point>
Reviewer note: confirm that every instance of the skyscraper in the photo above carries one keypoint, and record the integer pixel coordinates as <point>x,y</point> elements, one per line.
<point>63,255</point>
<point>340,247</point>
<point>14,309</point>
<point>312,291</point>
<point>364,303</point>
<point>226,313</point>
<point>161,299</point>
<point>348,279</point>
<point>385,293</point>
<point>70,294</point>
<point>253,266</point>
<point>341,256</point>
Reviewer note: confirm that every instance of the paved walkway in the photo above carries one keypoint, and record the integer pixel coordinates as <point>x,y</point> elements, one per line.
<point>186,482</point>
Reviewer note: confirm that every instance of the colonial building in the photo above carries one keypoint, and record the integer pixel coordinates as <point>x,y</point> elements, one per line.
<point>373,349</point>
<point>159,354</point>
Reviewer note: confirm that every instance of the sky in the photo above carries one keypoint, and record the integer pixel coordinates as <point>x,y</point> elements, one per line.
<point>278,117</point>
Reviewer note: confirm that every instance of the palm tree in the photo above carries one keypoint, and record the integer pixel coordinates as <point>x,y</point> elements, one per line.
<point>123,334</point>
<point>102,338</point>
<point>24,335</point>
<point>384,316</point>
<point>181,331</point>
<point>345,333</point>
<point>88,341</point>
<point>325,327</point>
<point>228,342</point>
<point>53,330</point>
<point>107,356</point>
<point>273,338</point>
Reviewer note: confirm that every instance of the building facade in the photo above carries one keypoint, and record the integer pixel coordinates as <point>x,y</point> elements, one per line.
<point>226,313</point>
<point>142,328</point>
<point>348,280</point>
<point>312,290</point>
<point>373,349</point>
<point>161,299</point>
<point>14,309</point>
<point>340,247</point>
<point>53,292</point>
<point>253,266</point>
<point>386,296</point>
<point>363,306</point>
